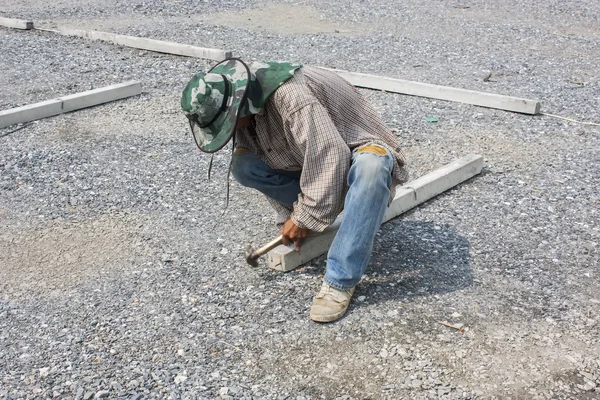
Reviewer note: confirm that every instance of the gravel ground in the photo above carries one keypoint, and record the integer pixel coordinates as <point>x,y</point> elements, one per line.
<point>119,280</point>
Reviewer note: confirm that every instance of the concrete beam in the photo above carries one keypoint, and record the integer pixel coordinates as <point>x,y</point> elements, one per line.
<point>69,103</point>
<point>99,96</point>
<point>16,23</point>
<point>30,112</point>
<point>284,258</point>
<point>483,99</point>
<point>159,46</point>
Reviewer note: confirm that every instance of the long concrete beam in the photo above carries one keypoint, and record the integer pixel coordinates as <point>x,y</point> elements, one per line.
<point>16,23</point>
<point>483,99</point>
<point>49,108</point>
<point>284,258</point>
<point>159,46</point>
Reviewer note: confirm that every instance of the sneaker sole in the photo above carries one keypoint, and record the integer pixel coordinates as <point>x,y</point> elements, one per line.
<point>328,318</point>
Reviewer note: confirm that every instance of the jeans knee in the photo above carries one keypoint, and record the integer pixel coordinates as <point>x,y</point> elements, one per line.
<point>371,166</point>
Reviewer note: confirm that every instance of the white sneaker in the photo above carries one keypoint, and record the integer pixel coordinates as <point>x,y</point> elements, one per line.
<point>330,304</point>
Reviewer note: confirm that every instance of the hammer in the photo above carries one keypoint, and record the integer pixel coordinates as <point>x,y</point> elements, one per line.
<point>252,255</point>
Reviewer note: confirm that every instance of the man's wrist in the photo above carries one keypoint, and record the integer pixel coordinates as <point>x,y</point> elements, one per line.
<point>296,222</point>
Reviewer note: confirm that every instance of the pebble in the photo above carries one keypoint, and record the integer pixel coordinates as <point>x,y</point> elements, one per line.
<point>589,386</point>
<point>79,394</point>
<point>133,384</point>
<point>102,394</point>
<point>88,395</point>
<point>416,383</point>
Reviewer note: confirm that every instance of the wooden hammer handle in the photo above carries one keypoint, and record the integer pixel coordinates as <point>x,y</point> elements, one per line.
<point>269,246</point>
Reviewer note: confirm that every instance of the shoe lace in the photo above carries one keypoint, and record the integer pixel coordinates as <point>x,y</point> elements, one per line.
<point>332,293</point>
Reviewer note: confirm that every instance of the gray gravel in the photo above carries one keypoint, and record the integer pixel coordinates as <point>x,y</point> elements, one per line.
<point>118,278</point>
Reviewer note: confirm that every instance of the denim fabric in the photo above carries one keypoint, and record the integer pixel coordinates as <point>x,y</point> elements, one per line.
<point>369,183</point>
<point>250,171</point>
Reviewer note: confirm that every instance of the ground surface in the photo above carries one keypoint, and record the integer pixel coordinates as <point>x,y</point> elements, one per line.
<point>118,278</point>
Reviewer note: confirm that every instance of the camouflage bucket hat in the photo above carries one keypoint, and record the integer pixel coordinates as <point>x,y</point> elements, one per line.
<point>214,101</point>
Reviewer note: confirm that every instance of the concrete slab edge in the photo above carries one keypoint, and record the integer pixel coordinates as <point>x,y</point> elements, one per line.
<point>482,99</point>
<point>408,196</point>
<point>16,23</point>
<point>101,95</point>
<point>50,108</point>
<point>159,46</point>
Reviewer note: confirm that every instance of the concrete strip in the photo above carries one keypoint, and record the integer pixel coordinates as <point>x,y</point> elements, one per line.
<point>50,108</point>
<point>30,112</point>
<point>159,46</point>
<point>482,99</point>
<point>102,95</point>
<point>16,23</point>
<point>284,258</point>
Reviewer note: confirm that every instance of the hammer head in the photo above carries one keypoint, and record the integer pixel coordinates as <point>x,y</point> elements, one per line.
<point>251,256</point>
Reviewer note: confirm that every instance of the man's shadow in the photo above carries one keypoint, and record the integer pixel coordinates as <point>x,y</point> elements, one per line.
<point>416,258</point>
<point>410,259</point>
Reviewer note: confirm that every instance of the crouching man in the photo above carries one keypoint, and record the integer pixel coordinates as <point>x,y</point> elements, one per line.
<point>312,144</point>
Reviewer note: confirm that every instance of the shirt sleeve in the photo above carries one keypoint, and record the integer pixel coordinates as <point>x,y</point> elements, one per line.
<point>312,135</point>
<point>283,213</point>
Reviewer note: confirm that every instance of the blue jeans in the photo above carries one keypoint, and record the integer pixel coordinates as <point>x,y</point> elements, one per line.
<point>369,182</point>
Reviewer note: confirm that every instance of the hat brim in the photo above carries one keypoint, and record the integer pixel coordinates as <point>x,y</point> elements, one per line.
<point>214,137</point>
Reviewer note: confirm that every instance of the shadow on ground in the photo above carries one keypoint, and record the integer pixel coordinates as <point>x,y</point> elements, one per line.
<point>412,259</point>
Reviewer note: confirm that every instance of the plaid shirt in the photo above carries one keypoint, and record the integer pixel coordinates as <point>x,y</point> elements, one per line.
<point>312,123</point>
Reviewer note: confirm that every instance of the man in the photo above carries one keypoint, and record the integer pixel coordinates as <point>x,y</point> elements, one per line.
<point>310,142</point>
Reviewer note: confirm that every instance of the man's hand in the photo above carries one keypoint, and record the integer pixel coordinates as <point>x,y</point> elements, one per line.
<point>292,233</point>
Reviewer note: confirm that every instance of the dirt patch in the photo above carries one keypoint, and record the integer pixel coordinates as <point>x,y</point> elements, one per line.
<point>285,19</point>
<point>60,256</point>
<point>282,19</point>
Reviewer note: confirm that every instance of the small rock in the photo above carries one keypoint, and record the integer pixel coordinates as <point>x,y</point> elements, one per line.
<point>133,384</point>
<point>361,298</point>
<point>416,383</point>
<point>443,390</point>
<point>587,376</point>
<point>88,395</point>
<point>80,393</point>
<point>44,372</point>
<point>102,394</point>
<point>179,379</point>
